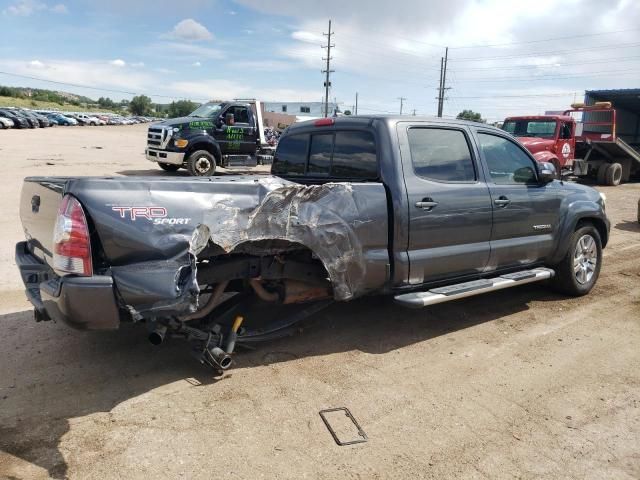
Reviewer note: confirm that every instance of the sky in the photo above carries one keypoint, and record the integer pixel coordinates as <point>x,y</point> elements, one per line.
<point>505,57</point>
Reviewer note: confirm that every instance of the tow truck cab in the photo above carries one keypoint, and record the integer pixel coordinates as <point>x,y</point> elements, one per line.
<point>550,138</point>
<point>215,134</point>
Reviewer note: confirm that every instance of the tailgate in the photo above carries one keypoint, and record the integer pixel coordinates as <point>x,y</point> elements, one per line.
<point>39,204</point>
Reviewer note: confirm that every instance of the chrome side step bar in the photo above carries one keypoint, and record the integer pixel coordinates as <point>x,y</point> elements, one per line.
<point>475,287</point>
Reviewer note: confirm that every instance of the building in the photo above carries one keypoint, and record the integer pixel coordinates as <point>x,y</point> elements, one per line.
<point>300,109</point>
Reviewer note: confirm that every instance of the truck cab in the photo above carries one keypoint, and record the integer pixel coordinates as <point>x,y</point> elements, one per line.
<point>550,138</point>
<point>215,134</point>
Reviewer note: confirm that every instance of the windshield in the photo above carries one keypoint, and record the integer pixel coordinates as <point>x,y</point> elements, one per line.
<point>530,128</point>
<point>208,110</point>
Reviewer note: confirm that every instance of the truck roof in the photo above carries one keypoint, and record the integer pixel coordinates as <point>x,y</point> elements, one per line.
<point>364,120</point>
<point>563,118</point>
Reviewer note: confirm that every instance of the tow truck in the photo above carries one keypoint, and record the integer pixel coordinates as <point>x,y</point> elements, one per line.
<point>217,134</point>
<point>585,141</point>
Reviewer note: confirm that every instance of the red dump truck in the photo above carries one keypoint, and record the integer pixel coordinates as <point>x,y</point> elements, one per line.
<point>599,138</point>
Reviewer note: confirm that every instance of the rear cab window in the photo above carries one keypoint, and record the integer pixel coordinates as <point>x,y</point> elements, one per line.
<point>342,155</point>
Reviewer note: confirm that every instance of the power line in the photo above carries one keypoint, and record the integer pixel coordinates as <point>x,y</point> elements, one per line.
<point>583,35</point>
<point>551,77</point>
<point>539,54</point>
<point>555,64</point>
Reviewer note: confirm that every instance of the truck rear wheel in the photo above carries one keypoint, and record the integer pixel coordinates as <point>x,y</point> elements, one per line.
<point>578,271</point>
<point>169,167</point>
<point>201,164</point>
<point>602,169</point>
<point>613,174</point>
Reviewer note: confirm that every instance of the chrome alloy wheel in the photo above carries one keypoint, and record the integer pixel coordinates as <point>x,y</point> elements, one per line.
<point>585,259</point>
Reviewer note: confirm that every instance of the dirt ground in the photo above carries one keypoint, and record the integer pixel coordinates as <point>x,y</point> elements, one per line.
<point>521,383</point>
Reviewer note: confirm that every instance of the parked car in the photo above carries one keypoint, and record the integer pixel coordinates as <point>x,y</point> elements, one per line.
<point>80,121</point>
<point>427,210</point>
<point>61,119</point>
<point>18,121</point>
<point>42,119</point>
<point>33,122</point>
<point>88,119</point>
<point>6,122</point>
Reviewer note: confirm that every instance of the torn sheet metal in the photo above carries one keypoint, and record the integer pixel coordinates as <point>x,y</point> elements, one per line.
<point>154,229</point>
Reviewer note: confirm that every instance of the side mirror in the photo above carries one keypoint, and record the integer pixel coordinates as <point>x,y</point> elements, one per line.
<point>547,172</point>
<point>229,119</point>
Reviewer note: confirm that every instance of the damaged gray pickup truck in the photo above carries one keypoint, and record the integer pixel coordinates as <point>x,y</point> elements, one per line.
<point>426,210</point>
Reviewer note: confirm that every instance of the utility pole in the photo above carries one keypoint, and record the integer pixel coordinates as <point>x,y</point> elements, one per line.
<point>328,71</point>
<point>356,109</point>
<point>414,112</point>
<point>443,81</point>
<point>402,99</point>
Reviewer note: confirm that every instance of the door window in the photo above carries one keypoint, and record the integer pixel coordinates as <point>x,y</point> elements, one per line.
<point>441,154</point>
<point>508,163</point>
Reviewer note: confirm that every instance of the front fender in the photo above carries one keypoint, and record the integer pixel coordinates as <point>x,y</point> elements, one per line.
<point>204,142</point>
<point>572,214</point>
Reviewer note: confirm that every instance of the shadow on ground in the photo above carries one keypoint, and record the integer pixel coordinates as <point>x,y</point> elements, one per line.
<point>50,374</point>
<point>628,226</point>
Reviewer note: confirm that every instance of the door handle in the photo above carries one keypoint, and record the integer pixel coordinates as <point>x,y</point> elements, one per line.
<point>502,201</point>
<point>427,204</point>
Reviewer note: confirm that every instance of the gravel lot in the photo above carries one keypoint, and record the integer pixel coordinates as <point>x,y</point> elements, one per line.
<point>517,384</point>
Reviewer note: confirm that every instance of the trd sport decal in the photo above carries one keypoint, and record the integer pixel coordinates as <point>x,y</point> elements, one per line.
<point>158,215</point>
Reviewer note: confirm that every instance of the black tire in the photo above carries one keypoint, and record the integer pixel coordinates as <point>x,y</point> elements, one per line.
<point>168,167</point>
<point>572,273</point>
<point>601,172</point>
<point>613,175</point>
<point>201,164</point>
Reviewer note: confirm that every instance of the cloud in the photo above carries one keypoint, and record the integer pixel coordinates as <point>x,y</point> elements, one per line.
<point>196,64</point>
<point>137,64</point>
<point>189,30</point>
<point>36,64</point>
<point>59,8</point>
<point>118,62</point>
<point>495,46</point>
<point>26,8</point>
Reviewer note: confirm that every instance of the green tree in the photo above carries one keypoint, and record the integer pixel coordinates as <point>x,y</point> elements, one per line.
<point>140,105</point>
<point>347,112</point>
<point>470,115</point>
<point>106,102</point>
<point>181,108</point>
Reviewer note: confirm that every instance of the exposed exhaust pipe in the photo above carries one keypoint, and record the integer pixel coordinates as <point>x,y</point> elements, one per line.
<point>209,306</point>
<point>156,337</point>
<point>219,358</point>
<point>294,292</point>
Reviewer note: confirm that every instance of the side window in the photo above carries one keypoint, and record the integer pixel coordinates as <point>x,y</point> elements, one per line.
<point>320,154</point>
<point>291,155</point>
<point>507,163</point>
<point>354,156</point>
<point>565,131</point>
<point>441,154</point>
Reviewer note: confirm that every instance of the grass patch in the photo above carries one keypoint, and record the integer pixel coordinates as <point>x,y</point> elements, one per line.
<point>38,104</point>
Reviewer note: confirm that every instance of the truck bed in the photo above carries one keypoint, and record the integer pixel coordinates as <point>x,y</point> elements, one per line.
<point>151,233</point>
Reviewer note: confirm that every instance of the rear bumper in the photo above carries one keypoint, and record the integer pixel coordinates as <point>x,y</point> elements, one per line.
<point>163,156</point>
<point>87,303</point>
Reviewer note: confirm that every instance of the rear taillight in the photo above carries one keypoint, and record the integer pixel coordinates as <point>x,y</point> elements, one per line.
<point>71,242</point>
